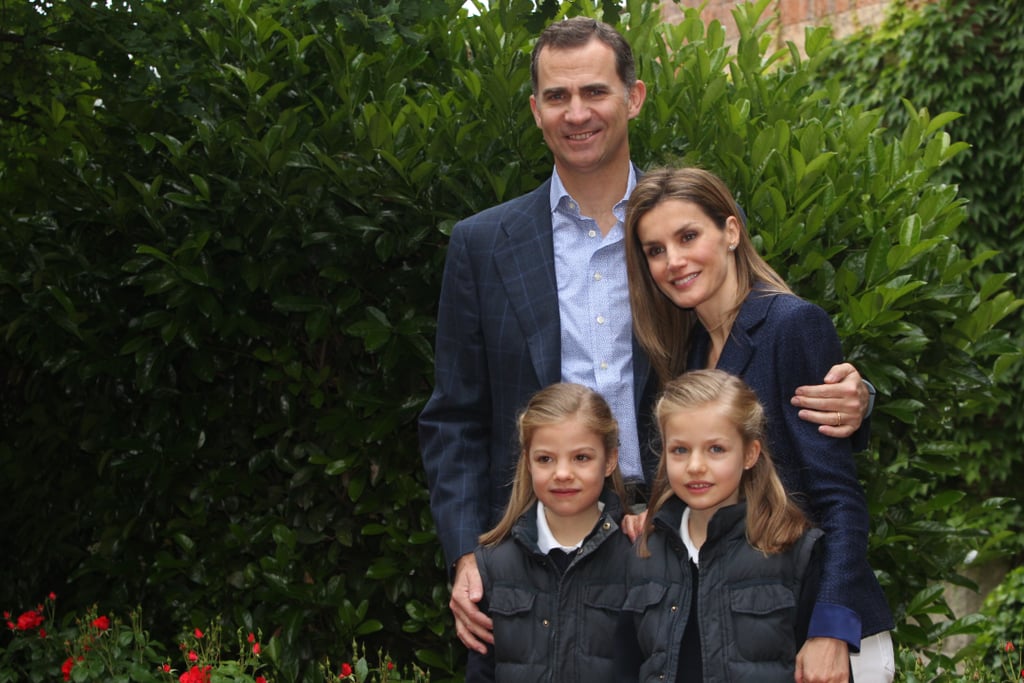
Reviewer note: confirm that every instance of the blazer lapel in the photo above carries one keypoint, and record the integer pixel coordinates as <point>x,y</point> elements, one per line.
<point>739,349</point>
<point>525,261</point>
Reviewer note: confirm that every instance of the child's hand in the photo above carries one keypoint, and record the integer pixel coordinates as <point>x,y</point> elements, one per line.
<point>633,525</point>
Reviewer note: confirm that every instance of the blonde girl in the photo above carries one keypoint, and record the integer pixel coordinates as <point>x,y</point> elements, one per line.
<point>725,574</point>
<point>553,567</point>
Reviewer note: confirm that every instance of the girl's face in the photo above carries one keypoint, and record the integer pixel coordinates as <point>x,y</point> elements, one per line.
<point>568,465</point>
<point>688,255</point>
<point>705,458</point>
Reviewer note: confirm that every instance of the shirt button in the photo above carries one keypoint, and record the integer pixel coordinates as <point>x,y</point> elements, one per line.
<point>600,320</point>
<point>546,623</point>
<point>592,233</point>
<point>597,276</point>
<point>674,608</point>
<point>604,365</point>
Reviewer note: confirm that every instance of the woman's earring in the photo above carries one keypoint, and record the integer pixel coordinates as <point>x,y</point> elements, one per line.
<point>732,247</point>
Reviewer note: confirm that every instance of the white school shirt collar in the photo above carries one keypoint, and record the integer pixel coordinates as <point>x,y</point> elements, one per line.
<point>684,533</point>
<point>546,541</point>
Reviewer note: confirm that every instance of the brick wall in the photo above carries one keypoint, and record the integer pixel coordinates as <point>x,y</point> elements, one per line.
<point>844,16</point>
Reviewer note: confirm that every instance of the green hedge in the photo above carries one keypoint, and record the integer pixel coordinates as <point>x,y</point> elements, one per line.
<point>966,56</point>
<point>220,254</point>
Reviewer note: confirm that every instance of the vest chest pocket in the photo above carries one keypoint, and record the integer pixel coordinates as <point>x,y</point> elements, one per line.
<point>520,634</point>
<point>647,608</point>
<point>607,597</point>
<point>643,596</point>
<point>602,604</point>
<point>763,622</point>
<point>508,601</point>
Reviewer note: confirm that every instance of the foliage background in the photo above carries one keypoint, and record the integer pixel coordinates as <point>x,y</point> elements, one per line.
<point>967,57</point>
<point>220,251</point>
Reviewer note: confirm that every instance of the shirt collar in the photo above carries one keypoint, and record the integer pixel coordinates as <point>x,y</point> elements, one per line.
<point>559,193</point>
<point>546,541</point>
<point>684,533</point>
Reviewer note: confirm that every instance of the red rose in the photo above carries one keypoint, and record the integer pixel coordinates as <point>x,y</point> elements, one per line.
<point>198,634</point>
<point>52,595</point>
<point>101,623</point>
<point>391,666</point>
<point>192,656</point>
<point>195,675</point>
<point>256,648</point>
<point>261,679</point>
<point>167,668</point>
<point>29,620</point>
<point>65,668</point>
<point>251,638</point>
<point>346,670</point>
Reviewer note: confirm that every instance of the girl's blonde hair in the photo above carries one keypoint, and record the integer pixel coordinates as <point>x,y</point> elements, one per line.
<point>550,406</point>
<point>662,328</point>
<point>774,522</point>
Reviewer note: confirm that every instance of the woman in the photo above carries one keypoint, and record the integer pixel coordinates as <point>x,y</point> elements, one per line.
<point>702,297</point>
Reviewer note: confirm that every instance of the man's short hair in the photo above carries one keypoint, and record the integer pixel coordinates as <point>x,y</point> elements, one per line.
<point>577,32</point>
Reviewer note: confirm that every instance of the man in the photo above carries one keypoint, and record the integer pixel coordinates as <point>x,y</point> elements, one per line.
<point>534,292</point>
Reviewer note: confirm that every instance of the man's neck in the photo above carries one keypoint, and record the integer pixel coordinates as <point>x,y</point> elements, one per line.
<point>597,193</point>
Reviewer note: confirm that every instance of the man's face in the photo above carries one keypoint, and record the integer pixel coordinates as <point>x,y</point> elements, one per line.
<point>584,108</point>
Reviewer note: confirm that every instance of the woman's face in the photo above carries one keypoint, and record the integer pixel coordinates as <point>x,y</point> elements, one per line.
<point>688,256</point>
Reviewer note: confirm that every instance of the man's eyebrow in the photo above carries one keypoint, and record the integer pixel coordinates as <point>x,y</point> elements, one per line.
<point>559,90</point>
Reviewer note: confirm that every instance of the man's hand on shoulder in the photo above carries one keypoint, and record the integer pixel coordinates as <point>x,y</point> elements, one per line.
<point>838,406</point>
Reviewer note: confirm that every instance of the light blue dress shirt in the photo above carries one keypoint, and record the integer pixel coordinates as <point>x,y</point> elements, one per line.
<point>593,304</point>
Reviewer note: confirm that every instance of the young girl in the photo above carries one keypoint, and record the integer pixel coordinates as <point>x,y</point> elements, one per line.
<point>553,569</point>
<point>725,574</point>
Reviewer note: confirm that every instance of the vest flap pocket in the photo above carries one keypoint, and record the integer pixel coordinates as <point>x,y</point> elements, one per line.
<point>607,596</point>
<point>762,599</point>
<point>508,601</point>
<point>641,597</point>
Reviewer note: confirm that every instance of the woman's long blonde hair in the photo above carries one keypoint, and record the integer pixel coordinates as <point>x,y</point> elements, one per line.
<point>662,328</point>
<point>774,522</point>
<point>549,406</point>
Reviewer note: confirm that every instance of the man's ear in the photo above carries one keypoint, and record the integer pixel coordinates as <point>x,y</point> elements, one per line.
<point>637,95</point>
